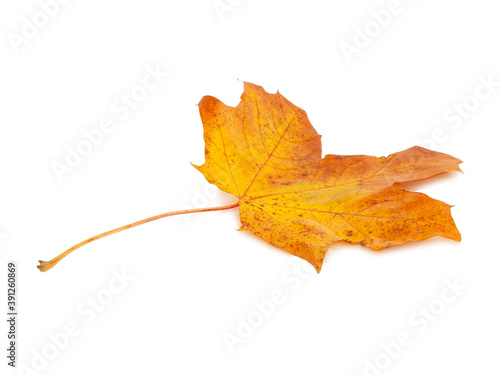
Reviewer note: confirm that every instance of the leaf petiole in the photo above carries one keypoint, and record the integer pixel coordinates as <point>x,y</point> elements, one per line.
<point>45,266</point>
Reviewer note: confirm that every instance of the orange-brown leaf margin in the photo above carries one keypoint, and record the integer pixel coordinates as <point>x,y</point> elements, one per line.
<point>266,152</point>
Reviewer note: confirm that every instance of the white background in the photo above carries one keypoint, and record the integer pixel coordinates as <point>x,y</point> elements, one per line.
<point>196,278</point>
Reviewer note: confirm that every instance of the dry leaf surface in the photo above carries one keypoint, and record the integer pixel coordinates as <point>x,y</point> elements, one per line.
<point>266,152</point>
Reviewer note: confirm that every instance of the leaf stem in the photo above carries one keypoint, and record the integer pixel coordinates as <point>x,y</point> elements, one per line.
<point>45,266</point>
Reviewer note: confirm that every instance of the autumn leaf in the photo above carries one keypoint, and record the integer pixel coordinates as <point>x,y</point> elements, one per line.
<point>266,153</point>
